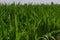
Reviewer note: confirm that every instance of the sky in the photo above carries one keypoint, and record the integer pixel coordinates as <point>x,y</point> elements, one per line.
<point>30,1</point>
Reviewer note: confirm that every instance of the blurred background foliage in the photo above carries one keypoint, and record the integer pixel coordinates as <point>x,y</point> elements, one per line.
<point>29,22</point>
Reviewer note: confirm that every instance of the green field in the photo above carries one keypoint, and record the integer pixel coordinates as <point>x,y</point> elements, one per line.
<point>29,22</point>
